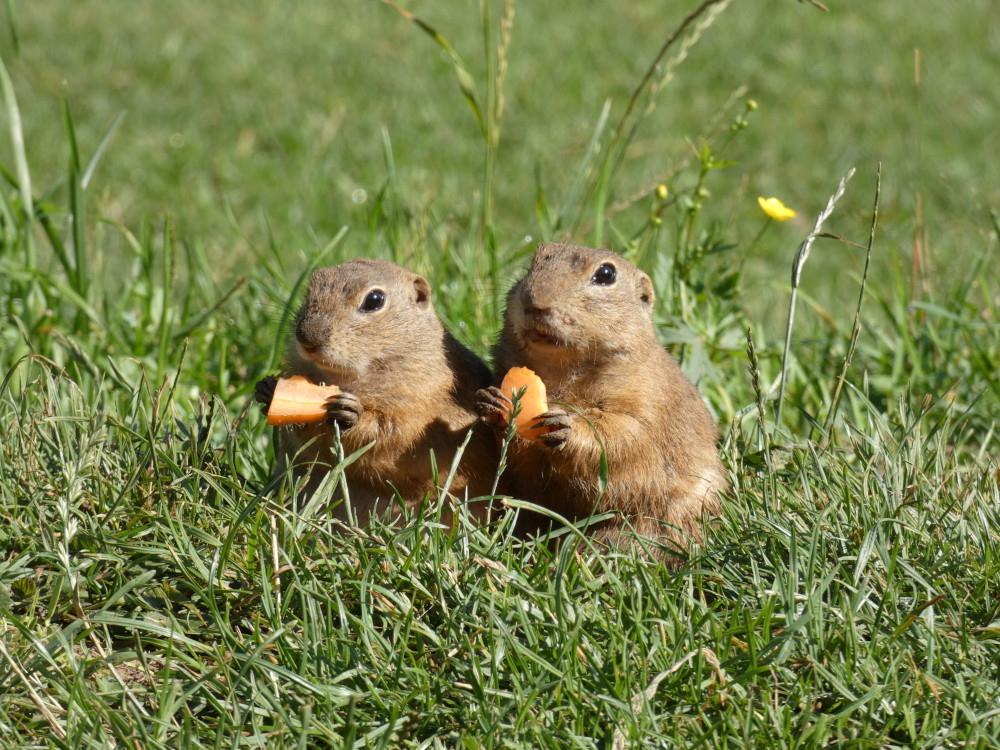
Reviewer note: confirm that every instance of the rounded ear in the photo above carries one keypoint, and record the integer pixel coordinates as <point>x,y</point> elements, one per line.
<point>646,294</point>
<point>421,291</point>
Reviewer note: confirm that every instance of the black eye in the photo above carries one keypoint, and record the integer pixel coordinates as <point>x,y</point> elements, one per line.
<point>604,275</point>
<point>374,300</point>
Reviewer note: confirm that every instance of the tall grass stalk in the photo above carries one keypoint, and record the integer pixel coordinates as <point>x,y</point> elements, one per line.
<point>648,86</point>
<point>856,326</point>
<point>488,116</point>
<point>801,255</point>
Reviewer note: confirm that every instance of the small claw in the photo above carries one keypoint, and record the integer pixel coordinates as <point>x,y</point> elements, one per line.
<point>556,438</point>
<point>492,405</point>
<point>263,392</point>
<point>344,410</point>
<point>559,426</point>
<point>554,418</point>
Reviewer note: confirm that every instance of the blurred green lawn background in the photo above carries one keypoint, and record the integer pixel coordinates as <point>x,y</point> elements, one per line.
<point>276,110</point>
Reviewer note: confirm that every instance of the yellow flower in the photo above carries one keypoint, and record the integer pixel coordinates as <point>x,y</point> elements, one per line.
<point>662,192</point>
<point>775,209</point>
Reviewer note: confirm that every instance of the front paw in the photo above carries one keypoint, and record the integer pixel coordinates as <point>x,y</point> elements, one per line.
<point>553,428</point>
<point>343,410</point>
<point>263,392</point>
<point>492,405</point>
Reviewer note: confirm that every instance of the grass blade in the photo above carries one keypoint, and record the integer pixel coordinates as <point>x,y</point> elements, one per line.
<point>77,273</point>
<point>856,327</point>
<point>101,147</point>
<point>800,259</point>
<point>465,81</point>
<point>20,160</point>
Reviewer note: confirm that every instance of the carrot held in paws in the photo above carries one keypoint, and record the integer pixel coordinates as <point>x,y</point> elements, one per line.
<point>298,401</point>
<point>533,402</point>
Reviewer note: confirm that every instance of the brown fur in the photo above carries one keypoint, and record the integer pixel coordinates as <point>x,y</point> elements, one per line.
<point>412,381</point>
<point>595,348</point>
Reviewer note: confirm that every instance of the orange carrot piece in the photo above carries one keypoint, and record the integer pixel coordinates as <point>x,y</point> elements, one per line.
<point>297,401</point>
<point>533,402</point>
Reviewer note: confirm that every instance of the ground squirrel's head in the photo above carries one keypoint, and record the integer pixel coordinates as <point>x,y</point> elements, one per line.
<point>364,318</point>
<point>578,301</point>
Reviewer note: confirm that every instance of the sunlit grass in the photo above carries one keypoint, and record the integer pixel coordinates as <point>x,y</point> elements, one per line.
<point>157,591</point>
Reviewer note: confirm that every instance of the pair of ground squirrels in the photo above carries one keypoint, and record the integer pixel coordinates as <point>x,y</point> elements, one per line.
<point>582,320</point>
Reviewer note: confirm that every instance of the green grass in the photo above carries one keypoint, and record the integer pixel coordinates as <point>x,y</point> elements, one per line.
<point>154,592</point>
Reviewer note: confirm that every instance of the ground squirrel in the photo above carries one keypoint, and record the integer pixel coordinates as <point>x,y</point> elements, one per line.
<point>582,320</point>
<point>408,386</point>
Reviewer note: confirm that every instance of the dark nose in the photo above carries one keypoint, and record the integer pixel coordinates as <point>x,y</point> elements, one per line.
<point>531,305</point>
<point>307,337</point>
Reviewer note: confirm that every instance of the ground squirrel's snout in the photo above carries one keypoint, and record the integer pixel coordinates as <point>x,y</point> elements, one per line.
<point>539,325</point>
<point>529,305</point>
<point>316,341</point>
<point>308,337</point>
<point>533,312</point>
<point>303,339</point>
